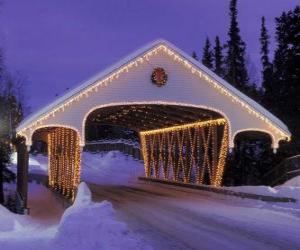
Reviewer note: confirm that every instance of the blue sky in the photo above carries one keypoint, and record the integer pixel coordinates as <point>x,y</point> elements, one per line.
<point>57,44</point>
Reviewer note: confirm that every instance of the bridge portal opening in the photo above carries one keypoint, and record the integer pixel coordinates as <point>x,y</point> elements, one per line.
<point>179,143</point>
<point>251,160</point>
<point>63,157</point>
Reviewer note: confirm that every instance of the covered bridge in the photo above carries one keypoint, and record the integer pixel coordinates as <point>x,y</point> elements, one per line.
<point>187,118</point>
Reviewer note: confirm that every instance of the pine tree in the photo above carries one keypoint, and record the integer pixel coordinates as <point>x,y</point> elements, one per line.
<point>194,55</point>
<point>5,151</point>
<point>267,67</point>
<point>207,57</point>
<point>218,58</point>
<point>286,83</point>
<point>244,166</point>
<point>236,72</point>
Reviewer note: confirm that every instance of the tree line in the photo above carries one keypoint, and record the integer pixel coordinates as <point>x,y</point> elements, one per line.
<point>11,113</point>
<point>279,91</point>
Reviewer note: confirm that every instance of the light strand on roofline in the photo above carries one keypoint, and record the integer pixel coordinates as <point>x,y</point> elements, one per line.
<point>140,60</point>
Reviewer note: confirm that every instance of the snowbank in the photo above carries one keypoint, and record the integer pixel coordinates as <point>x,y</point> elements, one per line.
<point>89,225</point>
<point>37,163</point>
<point>32,161</point>
<point>294,182</point>
<point>110,168</point>
<point>290,189</point>
<point>84,225</point>
<point>8,220</point>
<point>100,168</point>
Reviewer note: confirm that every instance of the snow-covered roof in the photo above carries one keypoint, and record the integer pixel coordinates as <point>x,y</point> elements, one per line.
<point>86,84</point>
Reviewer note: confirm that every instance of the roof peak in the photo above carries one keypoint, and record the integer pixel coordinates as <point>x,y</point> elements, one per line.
<point>55,105</point>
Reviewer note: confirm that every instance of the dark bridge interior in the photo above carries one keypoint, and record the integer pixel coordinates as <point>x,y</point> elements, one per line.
<point>150,116</point>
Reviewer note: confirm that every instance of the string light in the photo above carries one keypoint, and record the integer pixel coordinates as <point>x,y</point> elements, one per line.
<point>186,149</point>
<point>222,158</point>
<point>135,63</point>
<point>64,161</point>
<point>168,147</point>
<point>219,121</point>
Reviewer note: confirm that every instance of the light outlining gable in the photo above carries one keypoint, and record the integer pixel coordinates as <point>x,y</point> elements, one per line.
<point>121,70</point>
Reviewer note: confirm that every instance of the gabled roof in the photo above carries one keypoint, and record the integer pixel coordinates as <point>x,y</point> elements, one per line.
<point>221,83</point>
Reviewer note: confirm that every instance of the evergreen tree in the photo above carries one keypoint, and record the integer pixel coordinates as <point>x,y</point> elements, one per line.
<point>267,67</point>
<point>207,57</point>
<point>218,58</point>
<point>246,165</point>
<point>194,55</point>
<point>5,151</point>
<point>285,89</point>
<point>236,72</point>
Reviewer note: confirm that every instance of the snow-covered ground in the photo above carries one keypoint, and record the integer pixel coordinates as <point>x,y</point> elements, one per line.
<point>101,168</point>
<point>38,164</point>
<point>289,189</point>
<point>158,216</point>
<point>110,168</point>
<point>84,225</point>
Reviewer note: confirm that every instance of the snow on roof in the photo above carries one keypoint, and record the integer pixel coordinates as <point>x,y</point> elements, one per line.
<point>84,85</point>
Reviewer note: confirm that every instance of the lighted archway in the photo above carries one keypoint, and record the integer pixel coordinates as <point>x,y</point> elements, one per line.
<point>63,157</point>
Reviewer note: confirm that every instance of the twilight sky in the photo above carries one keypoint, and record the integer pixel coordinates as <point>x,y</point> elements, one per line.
<point>57,44</point>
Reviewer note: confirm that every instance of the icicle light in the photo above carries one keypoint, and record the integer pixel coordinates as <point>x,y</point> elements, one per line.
<point>94,87</point>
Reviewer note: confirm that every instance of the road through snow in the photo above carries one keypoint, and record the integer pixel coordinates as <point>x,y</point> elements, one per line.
<point>176,218</point>
<point>169,217</point>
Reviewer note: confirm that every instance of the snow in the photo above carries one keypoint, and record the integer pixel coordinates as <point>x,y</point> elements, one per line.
<point>290,189</point>
<point>89,225</point>
<point>294,182</point>
<point>115,211</point>
<point>84,225</point>
<point>8,220</point>
<point>83,197</point>
<point>37,163</point>
<point>110,168</point>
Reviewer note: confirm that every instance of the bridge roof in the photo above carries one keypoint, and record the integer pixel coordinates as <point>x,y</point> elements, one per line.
<point>228,88</point>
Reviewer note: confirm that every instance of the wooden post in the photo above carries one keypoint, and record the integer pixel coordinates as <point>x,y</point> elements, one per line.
<point>22,176</point>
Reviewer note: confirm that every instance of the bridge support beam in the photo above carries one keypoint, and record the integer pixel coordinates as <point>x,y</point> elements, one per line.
<point>22,177</point>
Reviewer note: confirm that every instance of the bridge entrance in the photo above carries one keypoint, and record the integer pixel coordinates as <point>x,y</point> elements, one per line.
<point>178,143</point>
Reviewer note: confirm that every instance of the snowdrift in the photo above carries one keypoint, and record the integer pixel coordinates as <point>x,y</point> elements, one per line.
<point>113,168</point>
<point>85,225</point>
<point>8,220</point>
<point>89,225</point>
<point>290,189</point>
<point>37,163</point>
<point>294,182</point>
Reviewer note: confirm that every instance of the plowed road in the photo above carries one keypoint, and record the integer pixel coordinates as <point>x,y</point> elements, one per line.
<point>177,218</point>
